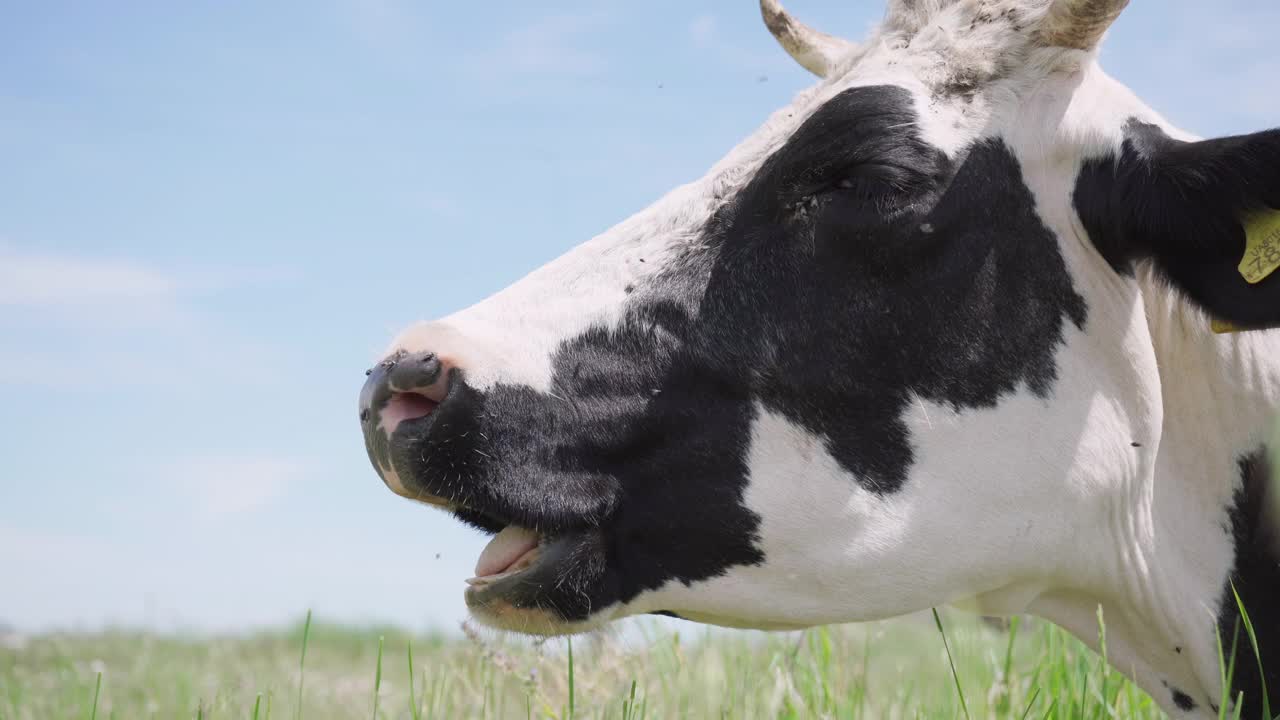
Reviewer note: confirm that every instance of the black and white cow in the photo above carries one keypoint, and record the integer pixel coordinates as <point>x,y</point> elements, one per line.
<point>938,332</point>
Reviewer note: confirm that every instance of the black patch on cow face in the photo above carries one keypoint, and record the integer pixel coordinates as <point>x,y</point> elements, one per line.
<point>1182,205</point>
<point>879,271</point>
<point>638,450</point>
<point>860,269</point>
<point>1256,578</point>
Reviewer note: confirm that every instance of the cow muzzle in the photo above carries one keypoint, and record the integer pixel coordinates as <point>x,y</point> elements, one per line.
<point>404,388</point>
<point>435,439</point>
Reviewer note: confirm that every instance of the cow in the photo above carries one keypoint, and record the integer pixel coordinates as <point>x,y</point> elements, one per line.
<point>965,323</point>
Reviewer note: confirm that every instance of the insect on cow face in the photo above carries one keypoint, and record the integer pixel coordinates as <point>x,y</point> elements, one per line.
<point>853,372</point>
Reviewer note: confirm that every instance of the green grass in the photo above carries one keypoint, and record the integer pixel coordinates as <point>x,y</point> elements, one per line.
<point>902,669</point>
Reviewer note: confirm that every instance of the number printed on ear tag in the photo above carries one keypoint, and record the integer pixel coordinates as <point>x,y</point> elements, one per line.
<point>1262,247</point>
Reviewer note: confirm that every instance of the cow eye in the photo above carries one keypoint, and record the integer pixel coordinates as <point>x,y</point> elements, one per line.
<point>872,185</point>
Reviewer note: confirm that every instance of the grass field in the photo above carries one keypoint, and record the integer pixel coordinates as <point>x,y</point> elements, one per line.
<point>900,669</point>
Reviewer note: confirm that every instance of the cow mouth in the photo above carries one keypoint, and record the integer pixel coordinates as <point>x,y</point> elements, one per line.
<point>520,569</point>
<point>516,574</point>
<point>516,597</point>
<point>431,448</point>
<point>407,406</point>
<point>519,564</point>
<point>513,550</point>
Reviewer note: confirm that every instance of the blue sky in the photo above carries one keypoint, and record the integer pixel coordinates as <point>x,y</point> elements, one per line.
<point>214,215</point>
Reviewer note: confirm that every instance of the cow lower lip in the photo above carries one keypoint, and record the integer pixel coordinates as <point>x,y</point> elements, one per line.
<point>528,576</point>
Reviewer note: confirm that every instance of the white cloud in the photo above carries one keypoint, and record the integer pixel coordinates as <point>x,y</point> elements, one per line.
<point>399,32</point>
<point>378,20</point>
<point>437,202</point>
<point>703,31</point>
<point>76,321</point>
<point>1220,76</point>
<point>49,573</point>
<point>1257,99</point>
<point>42,280</point>
<point>704,34</point>
<point>553,47</point>
<point>49,280</point>
<point>218,486</point>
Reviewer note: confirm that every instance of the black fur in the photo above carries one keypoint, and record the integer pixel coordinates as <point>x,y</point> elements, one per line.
<point>1256,578</point>
<point>1182,205</point>
<point>1183,700</point>
<point>859,269</point>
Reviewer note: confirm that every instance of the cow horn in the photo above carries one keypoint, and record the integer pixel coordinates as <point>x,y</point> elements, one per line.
<point>1080,24</point>
<point>814,49</point>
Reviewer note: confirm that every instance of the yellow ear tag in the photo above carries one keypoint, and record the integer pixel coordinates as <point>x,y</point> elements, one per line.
<point>1222,327</point>
<point>1261,257</point>
<point>1262,247</point>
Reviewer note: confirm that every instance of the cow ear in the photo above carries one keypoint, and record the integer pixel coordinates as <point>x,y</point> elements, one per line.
<point>1206,213</point>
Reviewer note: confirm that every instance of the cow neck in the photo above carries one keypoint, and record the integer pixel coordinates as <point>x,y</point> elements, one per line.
<point>1212,540</point>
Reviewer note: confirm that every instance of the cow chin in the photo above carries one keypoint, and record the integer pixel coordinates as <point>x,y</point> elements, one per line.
<point>532,582</point>
<point>531,599</point>
<point>543,581</point>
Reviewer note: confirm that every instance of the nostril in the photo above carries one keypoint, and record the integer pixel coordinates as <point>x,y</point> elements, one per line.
<point>403,386</point>
<point>406,406</point>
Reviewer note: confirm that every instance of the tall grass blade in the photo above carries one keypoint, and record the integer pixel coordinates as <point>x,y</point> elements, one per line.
<point>377,678</point>
<point>571,688</point>
<point>97,692</point>
<point>415,708</point>
<point>937,619</point>
<point>1030,704</point>
<point>302,665</point>
<point>1084,689</point>
<point>1104,663</point>
<point>1005,700</point>
<point>1225,677</point>
<point>629,705</point>
<point>1253,641</point>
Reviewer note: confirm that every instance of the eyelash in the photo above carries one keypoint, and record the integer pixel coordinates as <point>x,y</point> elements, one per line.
<point>887,186</point>
<point>866,188</point>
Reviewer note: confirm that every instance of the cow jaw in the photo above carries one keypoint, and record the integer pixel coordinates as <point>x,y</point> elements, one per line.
<point>516,597</point>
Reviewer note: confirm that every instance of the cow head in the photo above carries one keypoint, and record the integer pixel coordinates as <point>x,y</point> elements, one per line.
<point>908,344</point>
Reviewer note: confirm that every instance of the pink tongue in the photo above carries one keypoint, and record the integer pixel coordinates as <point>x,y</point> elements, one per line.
<point>405,406</point>
<point>505,549</point>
